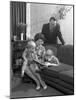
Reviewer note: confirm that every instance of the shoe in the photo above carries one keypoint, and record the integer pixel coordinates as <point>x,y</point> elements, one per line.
<point>45,87</point>
<point>38,87</point>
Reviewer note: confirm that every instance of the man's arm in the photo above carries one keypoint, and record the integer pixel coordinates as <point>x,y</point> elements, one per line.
<point>43,29</point>
<point>60,35</point>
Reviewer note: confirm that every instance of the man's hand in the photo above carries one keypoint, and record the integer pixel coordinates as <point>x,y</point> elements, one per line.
<point>63,43</point>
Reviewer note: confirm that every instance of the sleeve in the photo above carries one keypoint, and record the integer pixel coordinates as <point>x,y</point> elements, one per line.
<point>60,35</point>
<point>24,54</point>
<point>54,60</point>
<point>43,29</point>
<point>44,51</point>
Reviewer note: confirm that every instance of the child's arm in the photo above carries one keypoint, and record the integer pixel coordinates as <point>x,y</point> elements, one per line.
<point>24,63</point>
<point>24,67</point>
<point>54,58</point>
<point>24,55</point>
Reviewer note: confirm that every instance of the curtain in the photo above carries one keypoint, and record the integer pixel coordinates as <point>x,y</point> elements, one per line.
<point>18,18</point>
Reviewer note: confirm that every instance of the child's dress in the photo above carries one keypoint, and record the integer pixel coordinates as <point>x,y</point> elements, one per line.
<point>28,56</point>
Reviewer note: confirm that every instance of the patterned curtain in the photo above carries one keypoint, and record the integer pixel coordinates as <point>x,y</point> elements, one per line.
<point>18,18</point>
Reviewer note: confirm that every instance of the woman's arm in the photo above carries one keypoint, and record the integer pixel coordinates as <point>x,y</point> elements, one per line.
<point>60,35</point>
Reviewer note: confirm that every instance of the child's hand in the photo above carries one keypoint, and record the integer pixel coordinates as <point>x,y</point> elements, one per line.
<point>37,68</point>
<point>47,64</point>
<point>22,74</point>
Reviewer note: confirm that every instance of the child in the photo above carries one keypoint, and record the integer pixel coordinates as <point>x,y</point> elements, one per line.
<point>29,66</point>
<point>50,59</point>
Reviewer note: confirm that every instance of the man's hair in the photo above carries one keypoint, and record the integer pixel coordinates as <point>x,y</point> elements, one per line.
<point>52,18</point>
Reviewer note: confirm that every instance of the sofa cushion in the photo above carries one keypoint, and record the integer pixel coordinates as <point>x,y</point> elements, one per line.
<point>61,67</point>
<point>59,85</point>
<point>58,81</point>
<point>68,73</point>
<point>60,72</point>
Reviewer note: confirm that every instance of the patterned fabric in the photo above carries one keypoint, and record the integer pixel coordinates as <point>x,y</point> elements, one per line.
<point>29,55</point>
<point>40,50</point>
<point>52,59</point>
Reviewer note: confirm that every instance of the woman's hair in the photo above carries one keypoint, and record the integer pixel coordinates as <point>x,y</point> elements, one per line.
<point>39,36</point>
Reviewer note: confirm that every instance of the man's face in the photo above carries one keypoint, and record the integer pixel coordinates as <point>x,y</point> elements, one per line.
<point>52,23</point>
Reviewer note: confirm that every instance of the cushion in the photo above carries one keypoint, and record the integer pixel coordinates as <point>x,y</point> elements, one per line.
<point>59,87</point>
<point>68,73</point>
<point>60,72</point>
<point>61,67</point>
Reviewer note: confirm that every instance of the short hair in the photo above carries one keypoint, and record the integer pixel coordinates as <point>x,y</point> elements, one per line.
<point>49,52</point>
<point>31,44</point>
<point>52,18</point>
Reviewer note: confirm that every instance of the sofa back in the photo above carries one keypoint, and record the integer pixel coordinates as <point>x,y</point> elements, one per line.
<point>65,53</point>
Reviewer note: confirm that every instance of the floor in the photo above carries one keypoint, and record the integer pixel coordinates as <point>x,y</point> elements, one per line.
<point>20,89</point>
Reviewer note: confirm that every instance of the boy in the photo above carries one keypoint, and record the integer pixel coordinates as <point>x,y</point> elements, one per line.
<point>50,59</point>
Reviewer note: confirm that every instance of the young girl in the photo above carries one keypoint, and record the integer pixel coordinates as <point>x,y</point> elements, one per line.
<point>30,67</point>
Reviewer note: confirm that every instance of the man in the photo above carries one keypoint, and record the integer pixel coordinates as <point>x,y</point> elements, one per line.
<point>51,31</point>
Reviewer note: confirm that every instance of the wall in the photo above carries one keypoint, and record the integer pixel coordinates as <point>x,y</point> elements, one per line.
<point>67,27</point>
<point>40,14</point>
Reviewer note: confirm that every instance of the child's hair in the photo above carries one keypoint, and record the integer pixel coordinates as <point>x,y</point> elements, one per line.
<point>49,52</point>
<point>31,43</point>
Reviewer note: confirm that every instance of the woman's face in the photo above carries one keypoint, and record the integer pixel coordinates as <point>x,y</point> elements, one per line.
<point>39,42</point>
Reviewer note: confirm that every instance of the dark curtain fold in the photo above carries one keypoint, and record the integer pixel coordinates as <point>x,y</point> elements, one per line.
<point>18,16</point>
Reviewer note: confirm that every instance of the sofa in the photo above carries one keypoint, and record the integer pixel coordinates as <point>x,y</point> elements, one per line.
<point>61,77</point>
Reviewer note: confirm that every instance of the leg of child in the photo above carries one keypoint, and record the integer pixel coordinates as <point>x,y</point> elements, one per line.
<point>30,74</point>
<point>38,76</point>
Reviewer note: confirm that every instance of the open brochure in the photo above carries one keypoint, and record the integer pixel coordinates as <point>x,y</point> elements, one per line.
<point>47,64</point>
